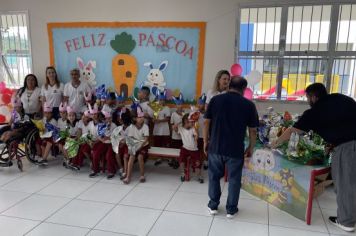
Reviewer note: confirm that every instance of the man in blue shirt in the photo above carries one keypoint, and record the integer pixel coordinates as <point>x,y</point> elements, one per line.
<point>227,118</point>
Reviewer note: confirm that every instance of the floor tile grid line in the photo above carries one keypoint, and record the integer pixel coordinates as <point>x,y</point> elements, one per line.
<point>13,179</point>
<point>322,215</point>
<point>211,224</point>
<point>44,220</point>
<point>164,209</point>
<point>108,231</point>
<point>31,194</point>
<point>115,205</point>
<point>18,177</point>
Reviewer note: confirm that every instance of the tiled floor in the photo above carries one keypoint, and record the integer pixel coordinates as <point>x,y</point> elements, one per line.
<point>55,201</point>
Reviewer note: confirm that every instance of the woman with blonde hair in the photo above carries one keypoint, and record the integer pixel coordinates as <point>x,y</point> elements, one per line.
<point>221,85</point>
<point>52,91</point>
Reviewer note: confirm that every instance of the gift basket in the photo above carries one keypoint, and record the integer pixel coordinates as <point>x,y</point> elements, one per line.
<point>306,149</point>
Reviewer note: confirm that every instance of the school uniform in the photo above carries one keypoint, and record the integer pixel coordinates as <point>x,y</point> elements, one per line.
<point>54,96</point>
<point>118,137</point>
<point>108,108</point>
<point>103,151</point>
<point>31,101</point>
<point>62,124</point>
<point>75,95</point>
<point>84,148</point>
<point>146,109</point>
<point>44,141</point>
<point>189,148</point>
<point>161,130</point>
<point>176,141</point>
<point>140,136</point>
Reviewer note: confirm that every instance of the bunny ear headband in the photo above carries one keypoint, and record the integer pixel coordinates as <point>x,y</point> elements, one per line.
<point>135,103</point>
<point>63,107</point>
<point>161,96</point>
<point>179,100</point>
<point>121,97</point>
<point>202,99</point>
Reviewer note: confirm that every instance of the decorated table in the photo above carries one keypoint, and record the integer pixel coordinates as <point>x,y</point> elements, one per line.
<point>290,176</point>
<point>285,184</point>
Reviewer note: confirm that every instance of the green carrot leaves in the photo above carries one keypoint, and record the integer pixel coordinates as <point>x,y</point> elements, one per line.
<point>123,43</point>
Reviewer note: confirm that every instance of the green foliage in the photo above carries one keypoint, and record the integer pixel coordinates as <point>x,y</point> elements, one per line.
<point>123,43</point>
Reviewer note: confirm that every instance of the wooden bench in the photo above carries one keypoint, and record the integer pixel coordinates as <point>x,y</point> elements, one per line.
<point>170,153</point>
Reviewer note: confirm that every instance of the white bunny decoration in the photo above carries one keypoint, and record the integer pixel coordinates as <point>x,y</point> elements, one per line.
<point>87,71</point>
<point>155,76</point>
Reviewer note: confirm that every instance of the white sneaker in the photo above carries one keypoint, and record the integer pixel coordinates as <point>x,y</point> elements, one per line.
<point>230,216</point>
<point>212,212</point>
<point>333,220</point>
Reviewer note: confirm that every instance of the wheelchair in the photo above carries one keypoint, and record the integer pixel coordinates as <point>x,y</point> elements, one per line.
<point>20,146</point>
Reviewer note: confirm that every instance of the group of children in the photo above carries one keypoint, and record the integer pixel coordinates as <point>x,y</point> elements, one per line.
<point>118,134</point>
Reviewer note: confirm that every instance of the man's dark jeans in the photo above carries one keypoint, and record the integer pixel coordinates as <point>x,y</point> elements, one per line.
<point>216,172</point>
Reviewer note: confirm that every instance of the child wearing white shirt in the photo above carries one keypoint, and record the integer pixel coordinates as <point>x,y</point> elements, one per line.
<point>161,127</point>
<point>62,121</point>
<point>190,148</point>
<point>201,107</point>
<point>176,119</point>
<point>143,96</point>
<point>71,125</point>
<point>102,148</point>
<point>137,142</point>
<point>84,128</point>
<point>46,143</point>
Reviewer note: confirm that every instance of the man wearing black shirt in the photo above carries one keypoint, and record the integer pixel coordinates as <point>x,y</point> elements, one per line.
<point>227,118</point>
<point>333,117</point>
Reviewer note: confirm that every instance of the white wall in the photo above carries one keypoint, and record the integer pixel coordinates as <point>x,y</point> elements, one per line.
<point>220,16</point>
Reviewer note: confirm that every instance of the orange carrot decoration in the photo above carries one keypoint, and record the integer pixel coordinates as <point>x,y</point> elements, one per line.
<point>124,66</point>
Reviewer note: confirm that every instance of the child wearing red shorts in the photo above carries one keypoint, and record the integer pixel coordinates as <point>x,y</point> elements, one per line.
<point>118,141</point>
<point>47,142</point>
<point>83,128</point>
<point>190,148</point>
<point>138,144</point>
<point>102,149</point>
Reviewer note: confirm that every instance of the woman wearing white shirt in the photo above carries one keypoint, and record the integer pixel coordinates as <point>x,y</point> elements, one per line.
<point>221,85</point>
<point>30,96</point>
<point>52,91</point>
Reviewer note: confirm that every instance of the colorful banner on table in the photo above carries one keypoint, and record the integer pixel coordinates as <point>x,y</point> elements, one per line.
<point>278,181</point>
<point>125,56</point>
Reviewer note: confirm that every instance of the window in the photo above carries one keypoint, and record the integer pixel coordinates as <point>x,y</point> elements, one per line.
<point>294,46</point>
<point>15,50</point>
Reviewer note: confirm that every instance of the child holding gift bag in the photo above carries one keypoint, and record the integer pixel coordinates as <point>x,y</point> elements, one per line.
<point>72,129</point>
<point>102,149</point>
<point>46,140</point>
<point>118,141</point>
<point>83,127</point>
<point>137,143</point>
<point>160,119</point>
